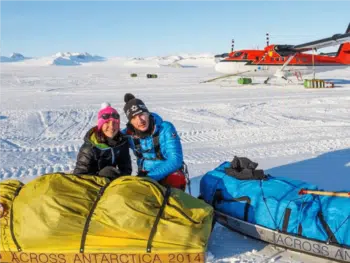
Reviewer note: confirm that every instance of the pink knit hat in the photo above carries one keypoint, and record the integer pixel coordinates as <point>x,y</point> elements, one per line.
<point>106,114</point>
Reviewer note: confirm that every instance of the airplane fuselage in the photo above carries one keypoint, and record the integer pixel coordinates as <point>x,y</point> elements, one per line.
<point>265,63</point>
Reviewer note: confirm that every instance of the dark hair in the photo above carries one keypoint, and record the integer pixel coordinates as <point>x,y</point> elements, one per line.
<point>100,136</point>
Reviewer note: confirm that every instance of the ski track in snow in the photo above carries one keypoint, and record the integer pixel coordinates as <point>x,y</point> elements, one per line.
<point>200,146</point>
<point>44,132</point>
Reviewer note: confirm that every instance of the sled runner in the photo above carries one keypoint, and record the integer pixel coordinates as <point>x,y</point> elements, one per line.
<point>63,218</point>
<point>274,210</point>
<point>288,241</point>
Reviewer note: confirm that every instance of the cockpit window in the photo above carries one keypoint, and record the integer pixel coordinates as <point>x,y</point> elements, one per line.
<point>237,54</point>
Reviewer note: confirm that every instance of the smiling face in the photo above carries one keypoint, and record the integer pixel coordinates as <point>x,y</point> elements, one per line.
<point>110,128</point>
<point>141,121</point>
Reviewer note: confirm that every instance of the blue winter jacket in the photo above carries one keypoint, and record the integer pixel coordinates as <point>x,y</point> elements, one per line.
<point>170,148</point>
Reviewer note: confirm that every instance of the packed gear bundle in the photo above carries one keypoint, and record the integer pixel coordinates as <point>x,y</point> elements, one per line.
<point>68,218</point>
<point>247,198</point>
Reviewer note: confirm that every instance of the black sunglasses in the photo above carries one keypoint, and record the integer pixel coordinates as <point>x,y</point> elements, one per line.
<point>113,115</point>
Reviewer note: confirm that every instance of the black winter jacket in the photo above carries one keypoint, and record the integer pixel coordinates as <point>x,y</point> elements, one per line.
<point>94,156</point>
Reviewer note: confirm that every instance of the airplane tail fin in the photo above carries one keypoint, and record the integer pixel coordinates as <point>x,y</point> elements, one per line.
<point>344,50</point>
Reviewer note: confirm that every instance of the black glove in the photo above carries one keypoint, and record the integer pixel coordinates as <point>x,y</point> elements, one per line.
<point>142,173</point>
<point>109,172</point>
<point>243,168</point>
<point>240,163</point>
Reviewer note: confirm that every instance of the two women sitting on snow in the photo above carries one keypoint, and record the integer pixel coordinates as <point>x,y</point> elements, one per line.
<point>154,142</point>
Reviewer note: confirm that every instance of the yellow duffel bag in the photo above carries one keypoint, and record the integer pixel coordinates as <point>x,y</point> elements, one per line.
<point>63,218</point>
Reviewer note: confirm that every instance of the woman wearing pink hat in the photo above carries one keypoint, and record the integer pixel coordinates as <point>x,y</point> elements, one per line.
<point>105,151</point>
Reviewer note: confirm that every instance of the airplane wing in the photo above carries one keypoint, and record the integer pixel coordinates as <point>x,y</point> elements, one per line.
<point>322,43</point>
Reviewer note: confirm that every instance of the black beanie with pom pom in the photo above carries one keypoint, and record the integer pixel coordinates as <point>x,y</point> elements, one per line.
<point>133,106</point>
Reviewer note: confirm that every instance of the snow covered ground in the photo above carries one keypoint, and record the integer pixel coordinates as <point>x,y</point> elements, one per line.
<point>289,130</point>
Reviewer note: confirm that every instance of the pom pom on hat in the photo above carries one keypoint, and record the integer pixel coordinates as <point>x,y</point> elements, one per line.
<point>105,105</point>
<point>128,97</point>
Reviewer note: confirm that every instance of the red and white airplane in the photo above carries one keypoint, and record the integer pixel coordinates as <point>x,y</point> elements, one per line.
<point>282,61</point>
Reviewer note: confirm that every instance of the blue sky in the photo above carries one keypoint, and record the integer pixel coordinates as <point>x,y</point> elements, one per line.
<point>116,28</point>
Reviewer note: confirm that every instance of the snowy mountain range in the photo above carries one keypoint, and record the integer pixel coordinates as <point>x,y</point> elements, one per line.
<point>78,58</point>
<point>13,58</point>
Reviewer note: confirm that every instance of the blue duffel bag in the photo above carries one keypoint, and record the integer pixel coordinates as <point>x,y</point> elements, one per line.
<point>275,203</point>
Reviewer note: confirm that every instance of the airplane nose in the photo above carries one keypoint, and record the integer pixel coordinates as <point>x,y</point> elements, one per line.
<point>226,67</point>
